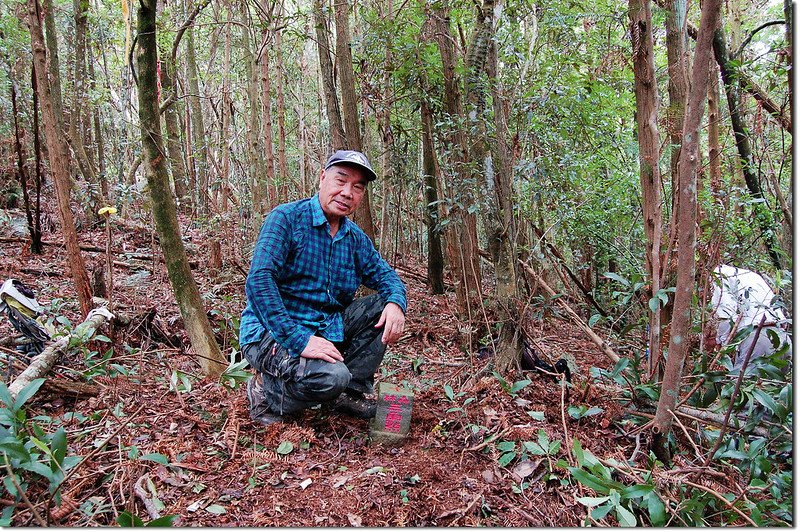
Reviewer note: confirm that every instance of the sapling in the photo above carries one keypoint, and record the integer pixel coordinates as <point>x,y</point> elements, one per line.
<point>106,212</point>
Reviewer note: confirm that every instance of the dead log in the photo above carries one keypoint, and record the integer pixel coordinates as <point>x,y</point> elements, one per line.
<point>599,342</point>
<point>45,360</point>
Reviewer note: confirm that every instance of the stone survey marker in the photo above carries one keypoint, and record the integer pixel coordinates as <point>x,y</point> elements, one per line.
<point>393,418</point>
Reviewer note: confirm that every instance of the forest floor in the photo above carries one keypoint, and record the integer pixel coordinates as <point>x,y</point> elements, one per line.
<point>194,452</point>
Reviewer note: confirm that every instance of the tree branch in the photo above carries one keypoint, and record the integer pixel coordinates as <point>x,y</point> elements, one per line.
<point>753,33</point>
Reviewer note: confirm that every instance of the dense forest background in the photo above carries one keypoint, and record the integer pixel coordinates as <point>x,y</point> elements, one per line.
<point>583,163</point>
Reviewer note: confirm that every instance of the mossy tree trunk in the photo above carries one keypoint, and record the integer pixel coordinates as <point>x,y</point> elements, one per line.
<point>184,287</point>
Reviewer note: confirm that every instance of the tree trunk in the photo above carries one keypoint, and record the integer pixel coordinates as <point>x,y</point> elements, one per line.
<point>186,292</point>
<point>788,13</point>
<point>714,146</point>
<point>99,139</point>
<point>280,101</point>
<point>763,216</point>
<point>326,71</point>
<point>37,148</point>
<point>435,257</point>
<point>677,87</point>
<point>462,234</point>
<point>503,229</point>
<point>22,174</point>
<point>52,55</point>
<point>59,157</point>
<point>199,158</point>
<point>649,174</point>
<point>347,81</point>
<point>171,116</point>
<point>688,164</point>
<point>254,150</point>
<point>266,128</point>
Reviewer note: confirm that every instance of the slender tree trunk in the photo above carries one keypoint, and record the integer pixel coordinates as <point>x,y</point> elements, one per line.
<point>199,158</point>
<point>266,126</point>
<point>59,158</point>
<point>53,67</point>
<point>503,229</point>
<point>788,14</point>
<point>687,240</point>
<point>22,173</point>
<point>435,257</point>
<point>37,148</point>
<point>347,81</point>
<point>254,150</point>
<point>98,133</point>
<point>649,174</point>
<point>186,292</point>
<point>280,101</point>
<point>714,146</point>
<point>171,117</point>
<point>326,71</point>
<point>462,235</point>
<point>763,216</point>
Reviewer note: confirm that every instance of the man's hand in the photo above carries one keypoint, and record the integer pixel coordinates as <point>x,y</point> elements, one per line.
<point>393,322</point>
<point>323,349</point>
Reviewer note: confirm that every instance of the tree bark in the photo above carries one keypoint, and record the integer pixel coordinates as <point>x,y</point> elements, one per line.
<point>266,128</point>
<point>687,240</point>
<point>714,146</point>
<point>503,228</point>
<point>347,82</point>
<point>59,157</point>
<point>435,256</point>
<point>199,158</point>
<point>171,116</point>
<point>22,173</point>
<point>649,173</point>
<point>326,70</point>
<point>763,216</point>
<point>461,235</point>
<point>280,101</point>
<point>184,287</point>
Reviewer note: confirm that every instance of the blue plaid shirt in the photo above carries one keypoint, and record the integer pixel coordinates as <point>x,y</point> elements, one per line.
<point>301,278</point>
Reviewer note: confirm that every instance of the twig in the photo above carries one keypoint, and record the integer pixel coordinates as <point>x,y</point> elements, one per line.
<point>636,449</point>
<point>25,499</point>
<point>140,492</point>
<point>688,436</point>
<point>564,422</point>
<point>488,441</point>
<point>732,400</point>
<point>723,499</point>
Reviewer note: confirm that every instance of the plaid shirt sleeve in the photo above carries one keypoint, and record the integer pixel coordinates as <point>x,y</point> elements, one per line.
<point>378,275</point>
<point>261,287</point>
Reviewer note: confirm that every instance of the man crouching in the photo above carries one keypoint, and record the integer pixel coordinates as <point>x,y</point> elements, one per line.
<point>302,332</point>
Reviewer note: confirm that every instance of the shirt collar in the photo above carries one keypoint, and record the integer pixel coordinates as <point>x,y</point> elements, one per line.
<point>318,218</point>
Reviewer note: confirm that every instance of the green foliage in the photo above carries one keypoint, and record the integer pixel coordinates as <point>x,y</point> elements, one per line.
<point>129,520</point>
<point>236,373</point>
<point>29,453</point>
<point>512,389</point>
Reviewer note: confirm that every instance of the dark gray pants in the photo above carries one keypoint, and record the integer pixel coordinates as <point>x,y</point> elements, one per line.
<point>291,384</point>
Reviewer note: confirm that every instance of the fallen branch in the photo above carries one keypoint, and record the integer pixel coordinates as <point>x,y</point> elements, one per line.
<point>140,492</point>
<point>723,499</point>
<point>599,342</point>
<point>45,360</point>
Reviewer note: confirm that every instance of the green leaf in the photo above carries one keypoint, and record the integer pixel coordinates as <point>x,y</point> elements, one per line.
<point>615,277</point>
<point>591,501</point>
<point>216,509</point>
<point>26,393</point>
<point>285,447</point>
<point>655,507</point>
<point>165,521</point>
<point>506,459</point>
<point>448,391</point>
<point>762,397</point>
<point>155,457</point>
<point>601,511</point>
<point>5,395</point>
<point>639,490</point>
<point>59,444</point>
<point>128,520</point>
<point>101,338</point>
<point>653,304</point>
<point>625,517</point>
<point>519,385</point>
<point>506,446</point>
<point>536,415</point>
<point>590,481</point>
<point>594,319</point>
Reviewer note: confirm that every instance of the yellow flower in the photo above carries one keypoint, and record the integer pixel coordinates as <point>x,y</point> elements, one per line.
<point>107,211</point>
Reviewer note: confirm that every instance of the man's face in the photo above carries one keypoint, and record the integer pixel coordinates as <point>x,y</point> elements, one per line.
<point>341,189</point>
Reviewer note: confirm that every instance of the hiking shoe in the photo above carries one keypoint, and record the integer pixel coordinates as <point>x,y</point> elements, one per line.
<point>356,405</point>
<point>259,411</point>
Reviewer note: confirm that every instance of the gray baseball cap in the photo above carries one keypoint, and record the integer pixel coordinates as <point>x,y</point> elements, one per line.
<point>353,158</point>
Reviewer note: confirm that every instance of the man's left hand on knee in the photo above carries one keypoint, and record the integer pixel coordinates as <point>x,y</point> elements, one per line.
<point>393,322</point>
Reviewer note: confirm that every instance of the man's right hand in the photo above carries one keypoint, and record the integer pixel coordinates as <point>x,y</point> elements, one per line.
<point>323,349</point>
